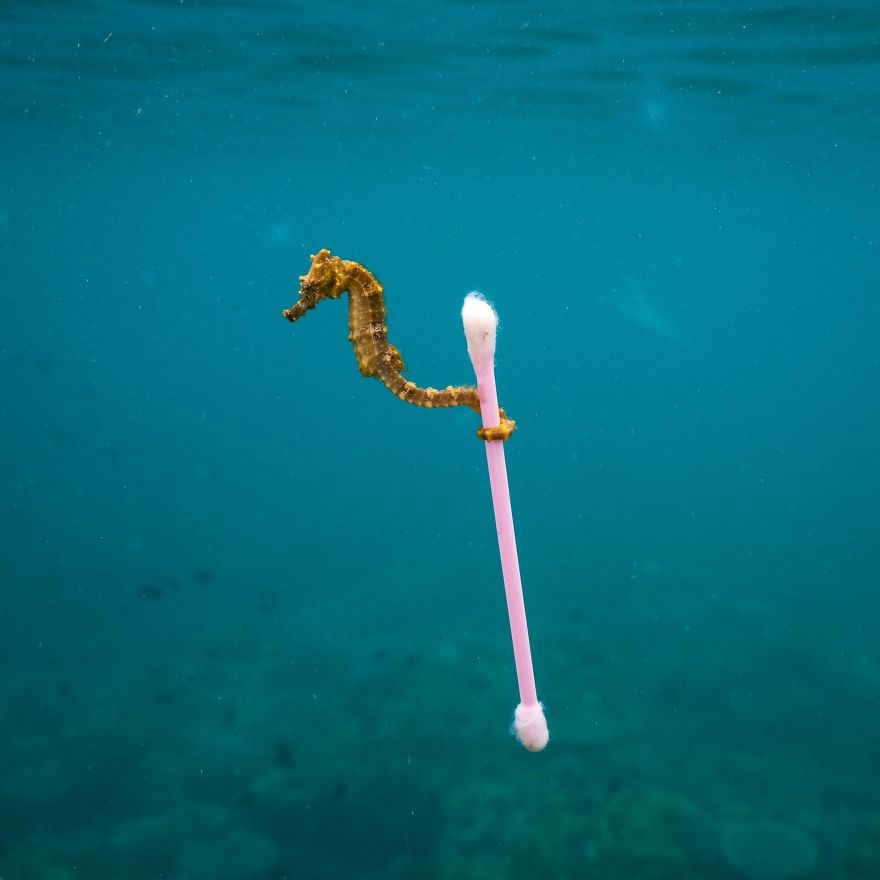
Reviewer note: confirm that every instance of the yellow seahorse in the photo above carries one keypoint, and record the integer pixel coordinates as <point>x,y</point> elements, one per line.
<point>328,278</point>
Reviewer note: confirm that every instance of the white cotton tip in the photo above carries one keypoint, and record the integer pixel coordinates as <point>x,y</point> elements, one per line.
<point>530,726</point>
<point>480,328</point>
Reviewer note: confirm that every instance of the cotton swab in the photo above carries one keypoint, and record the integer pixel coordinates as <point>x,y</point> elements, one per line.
<point>480,328</point>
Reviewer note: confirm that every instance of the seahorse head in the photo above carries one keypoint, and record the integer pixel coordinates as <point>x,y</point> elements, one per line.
<point>322,281</point>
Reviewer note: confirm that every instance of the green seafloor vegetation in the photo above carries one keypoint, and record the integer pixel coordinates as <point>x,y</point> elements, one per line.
<point>259,748</point>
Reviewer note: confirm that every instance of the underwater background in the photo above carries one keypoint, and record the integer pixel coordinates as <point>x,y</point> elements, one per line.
<point>252,623</point>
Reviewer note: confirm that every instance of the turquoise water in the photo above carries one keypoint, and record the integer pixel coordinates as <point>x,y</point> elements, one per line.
<point>253,625</point>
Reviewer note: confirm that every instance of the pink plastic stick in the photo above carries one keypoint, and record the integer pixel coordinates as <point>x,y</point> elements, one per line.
<point>480,323</point>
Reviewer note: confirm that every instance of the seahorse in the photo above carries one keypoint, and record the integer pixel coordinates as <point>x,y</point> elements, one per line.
<point>328,278</point>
